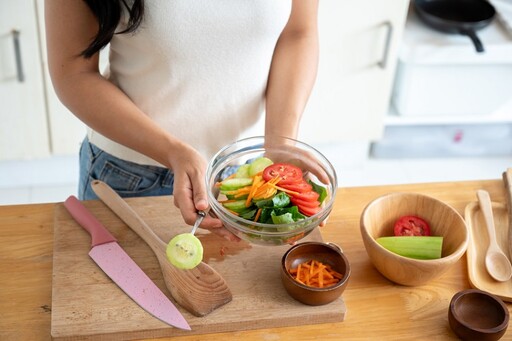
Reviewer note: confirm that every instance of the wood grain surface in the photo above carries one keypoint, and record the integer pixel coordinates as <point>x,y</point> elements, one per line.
<point>86,303</point>
<point>477,248</point>
<point>377,308</point>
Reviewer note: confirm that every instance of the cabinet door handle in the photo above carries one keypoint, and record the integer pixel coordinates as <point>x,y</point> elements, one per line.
<point>17,56</point>
<point>389,33</point>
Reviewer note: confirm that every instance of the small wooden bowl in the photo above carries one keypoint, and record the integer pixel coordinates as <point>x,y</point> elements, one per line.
<point>478,315</point>
<point>326,253</point>
<point>378,218</point>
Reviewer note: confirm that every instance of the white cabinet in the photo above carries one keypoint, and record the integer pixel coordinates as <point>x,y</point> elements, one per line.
<point>34,123</point>
<point>358,51</point>
<point>24,126</point>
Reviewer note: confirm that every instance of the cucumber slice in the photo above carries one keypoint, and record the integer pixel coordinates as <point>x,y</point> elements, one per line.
<point>236,206</point>
<point>243,171</point>
<point>234,183</point>
<point>418,247</point>
<point>258,165</point>
<point>185,251</point>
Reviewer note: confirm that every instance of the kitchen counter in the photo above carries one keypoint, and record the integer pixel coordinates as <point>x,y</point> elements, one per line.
<point>376,308</point>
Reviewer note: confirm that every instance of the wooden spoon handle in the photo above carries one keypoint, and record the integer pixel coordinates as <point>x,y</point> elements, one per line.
<point>507,179</point>
<point>128,215</point>
<point>486,207</point>
<point>200,290</point>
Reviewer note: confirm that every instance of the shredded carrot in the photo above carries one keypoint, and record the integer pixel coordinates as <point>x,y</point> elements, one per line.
<point>227,201</point>
<point>256,183</point>
<point>267,189</point>
<point>258,214</point>
<point>315,274</point>
<point>284,190</point>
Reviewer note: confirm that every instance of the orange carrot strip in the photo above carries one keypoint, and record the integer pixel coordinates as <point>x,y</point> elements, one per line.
<point>255,184</point>
<point>311,269</point>
<point>327,274</point>
<point>258,214</point>
<point>284,190</point>
<point>337,275</point>
<point>227,200</point>
<point>316,274</point>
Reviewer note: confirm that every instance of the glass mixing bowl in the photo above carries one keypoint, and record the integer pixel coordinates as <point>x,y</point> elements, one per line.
<point>316,168</point>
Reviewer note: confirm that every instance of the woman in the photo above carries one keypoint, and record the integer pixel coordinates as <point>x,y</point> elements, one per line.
<point>185,78</point>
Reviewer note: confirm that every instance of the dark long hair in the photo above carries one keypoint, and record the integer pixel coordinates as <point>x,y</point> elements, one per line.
<point>108,13</point>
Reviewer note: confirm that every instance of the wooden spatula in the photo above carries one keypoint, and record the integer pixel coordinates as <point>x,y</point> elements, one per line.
<point>200,290</point>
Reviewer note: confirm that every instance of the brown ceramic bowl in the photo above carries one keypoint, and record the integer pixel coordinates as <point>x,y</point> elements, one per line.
<point>378,218</point>
<point>478,315</point>
<point>326,253</point>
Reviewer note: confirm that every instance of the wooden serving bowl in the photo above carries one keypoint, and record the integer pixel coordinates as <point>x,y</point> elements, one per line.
<point>378,218</point>
<point>478,315</point>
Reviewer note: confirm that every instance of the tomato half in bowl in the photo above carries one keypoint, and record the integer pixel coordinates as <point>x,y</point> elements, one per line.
<point>411,226</point>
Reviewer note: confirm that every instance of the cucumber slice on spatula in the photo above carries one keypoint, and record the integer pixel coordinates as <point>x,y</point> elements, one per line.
<point>185,250</point>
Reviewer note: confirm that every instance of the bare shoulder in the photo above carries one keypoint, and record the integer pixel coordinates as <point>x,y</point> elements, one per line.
<point>70,27</point>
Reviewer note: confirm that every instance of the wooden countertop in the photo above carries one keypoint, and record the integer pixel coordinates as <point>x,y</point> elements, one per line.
<point>377,308</point>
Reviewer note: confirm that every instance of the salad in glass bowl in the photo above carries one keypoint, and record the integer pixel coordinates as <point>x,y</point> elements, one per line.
<point>270,194</point>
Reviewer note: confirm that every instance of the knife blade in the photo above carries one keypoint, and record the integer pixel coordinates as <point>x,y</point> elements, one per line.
<point>117,264</point>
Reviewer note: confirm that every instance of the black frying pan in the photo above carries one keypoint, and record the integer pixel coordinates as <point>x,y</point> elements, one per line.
<point>457,16</point>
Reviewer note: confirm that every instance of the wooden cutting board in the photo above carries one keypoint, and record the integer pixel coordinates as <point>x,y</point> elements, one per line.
<point>86,304</point>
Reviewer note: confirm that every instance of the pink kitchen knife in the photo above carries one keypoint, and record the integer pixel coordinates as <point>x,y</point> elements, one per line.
<point>116,263</point>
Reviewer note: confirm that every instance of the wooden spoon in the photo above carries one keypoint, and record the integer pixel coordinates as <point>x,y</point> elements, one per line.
<point>200,290</point>
<point>496,262</point>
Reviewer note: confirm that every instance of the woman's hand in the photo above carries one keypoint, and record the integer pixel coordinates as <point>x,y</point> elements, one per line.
<point>190,190</point>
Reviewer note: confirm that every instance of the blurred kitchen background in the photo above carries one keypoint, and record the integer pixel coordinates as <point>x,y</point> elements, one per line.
<point>395,101</point>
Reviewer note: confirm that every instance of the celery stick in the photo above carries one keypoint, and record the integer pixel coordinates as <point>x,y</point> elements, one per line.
<point>418,247</point>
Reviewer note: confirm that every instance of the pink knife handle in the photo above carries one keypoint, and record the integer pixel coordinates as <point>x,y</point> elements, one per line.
<point>99,234</point>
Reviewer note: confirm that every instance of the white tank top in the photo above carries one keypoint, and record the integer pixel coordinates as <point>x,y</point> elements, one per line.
<point>198,68</point>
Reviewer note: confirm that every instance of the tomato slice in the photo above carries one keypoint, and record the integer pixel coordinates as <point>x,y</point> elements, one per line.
<point>308,211</point>
<point>310,196</point>
<point>299,202</point>
<point>289,173</point>
<point>300,187</point>
<point>411,226</point>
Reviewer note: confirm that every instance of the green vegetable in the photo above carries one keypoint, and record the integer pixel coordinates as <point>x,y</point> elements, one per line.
<point>185,251</point>
<point>235,206</point>
<point>418,247</point>
<point>258,165</point>
<point>243,171</point>
<point>272,206</point>
<point>234,183</point>
<point>270,215</point>
<point>320,190</point>
<point>279,200</point>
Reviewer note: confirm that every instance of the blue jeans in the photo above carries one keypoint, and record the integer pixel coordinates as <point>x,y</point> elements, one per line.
<point>127,178</point>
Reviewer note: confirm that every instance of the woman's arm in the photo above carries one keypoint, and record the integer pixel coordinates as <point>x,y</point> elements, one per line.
<point>70,27</point>
<point>293,71</point>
